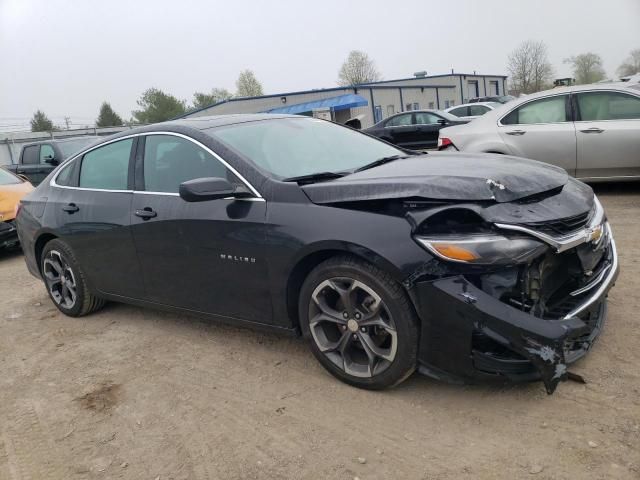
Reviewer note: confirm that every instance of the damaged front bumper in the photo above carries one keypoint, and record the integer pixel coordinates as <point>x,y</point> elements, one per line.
<point>468,334</point>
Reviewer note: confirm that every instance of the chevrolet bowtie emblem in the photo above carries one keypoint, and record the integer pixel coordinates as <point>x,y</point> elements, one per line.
<point>594,234</point>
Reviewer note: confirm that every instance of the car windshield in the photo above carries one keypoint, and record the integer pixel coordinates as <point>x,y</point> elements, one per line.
<point>505,98</point>
<point>8,179</point>
<point>292,147</point>
<point>69,147</point>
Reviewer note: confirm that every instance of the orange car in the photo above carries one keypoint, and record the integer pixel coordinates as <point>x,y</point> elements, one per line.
<point>12,189</point>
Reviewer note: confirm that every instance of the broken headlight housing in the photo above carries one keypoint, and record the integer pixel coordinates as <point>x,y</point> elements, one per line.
<point>483,249</point>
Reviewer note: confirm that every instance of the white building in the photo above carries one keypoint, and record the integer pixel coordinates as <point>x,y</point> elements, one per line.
<point>369,102</point>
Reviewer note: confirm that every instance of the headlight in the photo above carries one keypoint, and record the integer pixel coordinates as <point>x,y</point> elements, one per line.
<point>483,249</point>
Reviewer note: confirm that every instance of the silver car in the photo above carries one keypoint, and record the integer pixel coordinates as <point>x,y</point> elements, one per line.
<point>592,131</point>
<point>470,111</point>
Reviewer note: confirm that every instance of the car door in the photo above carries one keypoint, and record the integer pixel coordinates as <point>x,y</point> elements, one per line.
<point>30,165</point>
<point>542,129</point>
<point>608,134</point>
<point>400,130</point>
<point>91,201</point>
<point>203,256</point>
<point>428,124</point>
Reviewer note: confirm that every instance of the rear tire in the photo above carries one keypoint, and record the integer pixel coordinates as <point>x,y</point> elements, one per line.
<point>66,282</point>
<point>359,322</point>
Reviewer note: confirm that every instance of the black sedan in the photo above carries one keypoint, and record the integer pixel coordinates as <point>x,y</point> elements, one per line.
<point>460,266</point>
<point>415,130</point>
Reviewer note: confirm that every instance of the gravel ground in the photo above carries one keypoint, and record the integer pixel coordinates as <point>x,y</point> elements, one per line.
<point>137,394</point>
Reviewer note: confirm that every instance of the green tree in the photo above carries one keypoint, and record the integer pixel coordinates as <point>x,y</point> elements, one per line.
<point>157,106</point>
<point>201,100</point>
<point>587,68</point>
<point>358,68</point>
<point>41,123</point>
<point>248,85</point>
<point>107,117</point>
<point>631,65</point>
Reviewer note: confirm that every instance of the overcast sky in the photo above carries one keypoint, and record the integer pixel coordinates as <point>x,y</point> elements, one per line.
<point>66,57</point>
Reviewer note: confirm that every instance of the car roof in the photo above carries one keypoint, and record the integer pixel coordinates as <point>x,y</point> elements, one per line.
<point>580,88</point>
<point>62,140</point>
<point>211,121</point>
<point>487,104</point>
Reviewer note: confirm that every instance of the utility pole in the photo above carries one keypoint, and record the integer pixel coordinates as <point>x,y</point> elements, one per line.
<point>67,120</point>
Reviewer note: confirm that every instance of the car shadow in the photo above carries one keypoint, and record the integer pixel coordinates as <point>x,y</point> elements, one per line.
<point>616,188</point>
<point>9,253</point>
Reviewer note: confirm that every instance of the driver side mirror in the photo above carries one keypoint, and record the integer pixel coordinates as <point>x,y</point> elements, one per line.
<point>442,121</point>
<point>51,160</point>
<point>210,188</point>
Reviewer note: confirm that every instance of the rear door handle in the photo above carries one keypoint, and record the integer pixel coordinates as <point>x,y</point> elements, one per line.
<point>146,213</point>
<point>516,132</point>
<point>71,208</point>
<point>592,130</point>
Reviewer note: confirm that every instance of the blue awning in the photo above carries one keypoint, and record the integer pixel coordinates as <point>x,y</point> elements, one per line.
<point>340,102</point>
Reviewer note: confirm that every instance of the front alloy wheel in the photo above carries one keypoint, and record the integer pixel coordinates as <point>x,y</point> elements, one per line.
<point>352,327</point>
<point>360,323</point>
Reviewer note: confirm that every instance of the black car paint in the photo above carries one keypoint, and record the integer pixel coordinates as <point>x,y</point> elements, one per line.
<point>243,260</point>
<point>414,136</point>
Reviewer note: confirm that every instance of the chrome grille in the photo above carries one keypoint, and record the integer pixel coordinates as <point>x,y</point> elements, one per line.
<point>561,226</point>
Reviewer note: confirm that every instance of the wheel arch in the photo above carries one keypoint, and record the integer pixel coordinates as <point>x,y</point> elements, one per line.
<point>38,247</point>
<point>314,256</point>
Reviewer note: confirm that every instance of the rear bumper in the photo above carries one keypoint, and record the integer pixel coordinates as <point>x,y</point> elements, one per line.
<point>468,334</point>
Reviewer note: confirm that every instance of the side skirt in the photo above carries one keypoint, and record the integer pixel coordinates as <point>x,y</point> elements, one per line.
<point>236,322</point>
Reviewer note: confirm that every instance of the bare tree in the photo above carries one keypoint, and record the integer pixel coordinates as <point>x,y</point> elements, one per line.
<point>529,67</point>
<point>631,65</point>
<point>358,68</point>
<point>248,85</point>
<point>587,67</point>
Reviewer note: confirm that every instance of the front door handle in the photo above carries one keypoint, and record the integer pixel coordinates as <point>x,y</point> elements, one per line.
<point>71,208</point>
<point>516,132</point>
<point>146,213</point>
<point>592,130</point>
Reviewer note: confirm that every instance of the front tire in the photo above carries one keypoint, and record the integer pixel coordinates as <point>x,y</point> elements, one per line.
<point>359,323</point>
<point>66,282</point>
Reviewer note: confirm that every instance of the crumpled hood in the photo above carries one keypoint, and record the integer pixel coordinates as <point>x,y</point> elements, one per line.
<point>444,176</point>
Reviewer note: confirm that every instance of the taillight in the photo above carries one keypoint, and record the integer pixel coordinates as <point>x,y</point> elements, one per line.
<point>444,142</point>
<point>18,208</point>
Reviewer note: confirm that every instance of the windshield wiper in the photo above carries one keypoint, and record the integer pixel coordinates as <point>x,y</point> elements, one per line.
<point>315,177</point>
<point>380,161</point>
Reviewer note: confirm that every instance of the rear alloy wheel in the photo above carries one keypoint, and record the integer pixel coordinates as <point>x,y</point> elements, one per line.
<point>65,281</point>
<point>60,280</point>
<point>360,323</point>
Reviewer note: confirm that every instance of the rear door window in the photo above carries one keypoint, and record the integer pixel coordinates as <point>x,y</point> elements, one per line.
<point>460,112</point>
<point>30,155</point>
<point>596,106</point>
<point>399,121</point>
<point>425,118</point>
<point>477,110</point>
<point>545,110</point>
<point>107,167</point>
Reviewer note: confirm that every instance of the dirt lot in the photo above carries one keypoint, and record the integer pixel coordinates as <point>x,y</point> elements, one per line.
<point>133,393</point>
